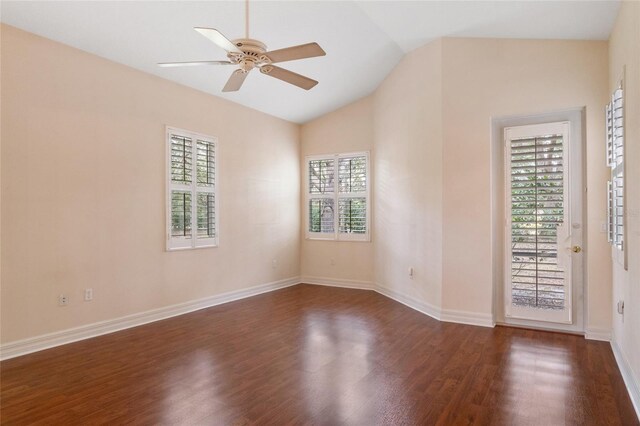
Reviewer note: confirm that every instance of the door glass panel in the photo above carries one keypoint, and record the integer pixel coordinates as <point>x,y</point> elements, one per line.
<point>537,198</point>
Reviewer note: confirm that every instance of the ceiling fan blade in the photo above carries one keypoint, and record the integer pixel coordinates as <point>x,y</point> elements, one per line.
<point>288,76</point>
<point>217,37</point>
<point>309,50</point>
<point>193,63</point>
<point>235,81</point>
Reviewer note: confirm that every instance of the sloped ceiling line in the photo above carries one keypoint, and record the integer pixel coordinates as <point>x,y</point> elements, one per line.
<point>364,40</point>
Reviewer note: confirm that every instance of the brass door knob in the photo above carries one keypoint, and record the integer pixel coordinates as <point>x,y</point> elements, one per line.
<point>576,249</point>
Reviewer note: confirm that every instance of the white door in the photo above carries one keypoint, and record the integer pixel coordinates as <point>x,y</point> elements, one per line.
<point>543,223</point>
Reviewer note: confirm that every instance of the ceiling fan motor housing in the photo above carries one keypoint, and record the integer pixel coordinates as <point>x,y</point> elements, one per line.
<point>252,54</point>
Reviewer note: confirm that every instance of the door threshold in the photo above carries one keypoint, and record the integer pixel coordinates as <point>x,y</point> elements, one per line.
<point>539,328</point>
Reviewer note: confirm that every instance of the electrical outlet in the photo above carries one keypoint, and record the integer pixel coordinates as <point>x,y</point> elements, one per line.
<point>63,300</point>
<point>621,307</point>
<point>88,294</point>
<point>410,273</point>
<point>274,263</point>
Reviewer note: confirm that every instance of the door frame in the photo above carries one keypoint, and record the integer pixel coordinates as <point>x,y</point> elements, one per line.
<point>576,118</point>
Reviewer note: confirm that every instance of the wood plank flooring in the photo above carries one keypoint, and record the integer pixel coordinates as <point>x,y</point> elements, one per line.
<point>317,355</point>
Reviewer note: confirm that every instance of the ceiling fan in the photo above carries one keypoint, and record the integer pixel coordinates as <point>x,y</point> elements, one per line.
<point>249,53</point>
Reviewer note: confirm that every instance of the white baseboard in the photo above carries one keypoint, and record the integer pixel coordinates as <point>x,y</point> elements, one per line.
<point>465,317</point>
<point>425,308</point>
<point>630,380</point>
<point>38,343</point>
<point>45,341</point>
<point>337,282</point>
<point>461,317</point>
<point>602,334</point>
<point>422,307</point>
<point>458,317</point>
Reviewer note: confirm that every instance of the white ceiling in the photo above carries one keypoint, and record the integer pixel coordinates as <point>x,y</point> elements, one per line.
<point>364,40</point>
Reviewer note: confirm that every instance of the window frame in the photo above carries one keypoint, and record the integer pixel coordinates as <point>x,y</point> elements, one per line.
<point>178,243</point>
<point>337,196</point>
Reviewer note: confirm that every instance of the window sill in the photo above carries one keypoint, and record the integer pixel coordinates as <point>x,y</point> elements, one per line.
<point>191,248</point>
<point>364,240</point>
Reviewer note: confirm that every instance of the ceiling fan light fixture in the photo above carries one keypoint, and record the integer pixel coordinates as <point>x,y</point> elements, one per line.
<point>247,66</point>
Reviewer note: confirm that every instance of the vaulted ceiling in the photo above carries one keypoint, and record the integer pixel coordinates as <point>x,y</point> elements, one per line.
<point>364,40</point>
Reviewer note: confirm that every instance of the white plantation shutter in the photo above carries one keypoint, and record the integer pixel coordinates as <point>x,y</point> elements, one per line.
<point>614,115</point>
<point>321,189</point>
<point>206,215</point>
<point>352,194</point>
<point>321,215</point>
<point>206,163</point>
<point>338,197</point>
<point>609,141</point>
<point>617,129</point>
<point>181,161</point>
<point>191,190</point>
<point>610,207</point>
<point>617,211</point>
<point>321,176</point>
<point>181,214</point>
<point>537,210</point>
<point>205,190</point>
<point>352,215</point>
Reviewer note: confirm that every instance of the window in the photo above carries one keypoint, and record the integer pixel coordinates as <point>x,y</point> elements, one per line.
<point>191,190</point>
<point>338,197</point>
<point>615,160</point>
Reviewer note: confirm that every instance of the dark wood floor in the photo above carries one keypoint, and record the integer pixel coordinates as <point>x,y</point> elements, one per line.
<point>317,355</point>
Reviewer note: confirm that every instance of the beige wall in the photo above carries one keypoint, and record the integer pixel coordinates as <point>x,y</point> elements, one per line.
<point>490,78</point>
<point>83,190</point>
<point>408,177</point>
<point>624,52</point>
<point>432,163</point>
<point>348,129</point>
